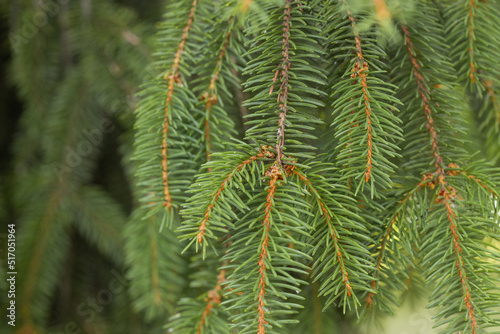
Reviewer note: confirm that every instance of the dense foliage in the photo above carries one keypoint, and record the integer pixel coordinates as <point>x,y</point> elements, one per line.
<point>292,165</point>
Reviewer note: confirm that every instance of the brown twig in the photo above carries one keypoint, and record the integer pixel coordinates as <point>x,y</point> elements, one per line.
<point>201,230</point>
<point>213,299</point>
<point>264,254</point>
<point>470,21</point>
<point>210,96</point>
<point>409,195</point>
<point>446,194</point>
<point>333,233</point>
<point>283,92</point>
<point>360,70</point>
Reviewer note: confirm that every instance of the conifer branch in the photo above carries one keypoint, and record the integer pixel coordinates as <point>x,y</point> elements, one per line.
<point>213,299</point>
<point>203,225</point>
<point>48,219</point>
<point>460,262</point>
<point>470,22</point>
<point>425,97</point>
<point>263,257</point>
<point>445,195</point>
<point>203,314</point>
<point>333,233</point>
<point>283,92</point>
<point>359,70</point>
<point>174,77</point>
<point>210,96</point>
<point>471,27</point>
<point>366,127</point>
<point>480,182</point>
<point>387,234</point>
<point>446,192</point>
<point>269,216</point>
<point>36,259</point>
<point>488,84</point>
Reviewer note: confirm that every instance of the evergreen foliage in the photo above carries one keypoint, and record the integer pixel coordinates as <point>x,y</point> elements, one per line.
<point>289,164</point>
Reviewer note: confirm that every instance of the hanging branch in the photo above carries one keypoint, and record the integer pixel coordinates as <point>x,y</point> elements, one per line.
<point>364,103</point>
<point>203,314</point>
<point>386,237</point>
<point>174,111</point>
<point>359,70</point>
<point>471,30</point>
<point>173,77</point>
<point>333,233</point>
<point>211,95</point>
<point>203,225</point>
<point>447,203</point>
<point>247,195</point>
<point>446,193</point>
<point>471,26</point>
<point>35,263</point>
<point>274,219</point>
<point>213,299</point>
<point>470,22</point>
<point>425,97</point>
<point>263,257</point>
<point>283,92</point>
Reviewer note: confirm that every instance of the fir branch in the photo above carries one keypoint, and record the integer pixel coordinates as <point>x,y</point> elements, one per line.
<point>334,235</point>
<point>263,256</point>
<point>359,70</point>
<point>446,192</point>
<point>173,77</point>
<point>477,180</point>
<point>203,225</point>
<point>46,228</point>
<point>263,235</point>
<point>155,265</point>
<point>283,91</point>
<point>197,226</point>
<point>364,103</point>
<point>214,299</point>
<point>291,108</point>
<point>44,231</point>
<point>470,22</point>
<point>470,27</point>
<point>216,79</point>
<point>203,314</point>
<point>209,96</point>
<point>386,236</point>
<point>174,111</point>
<point>446,200</point>
<point>425,97</point>
<point>460,262</point>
